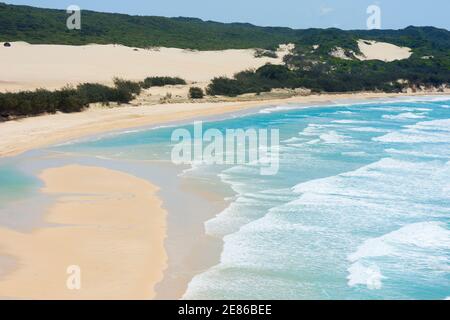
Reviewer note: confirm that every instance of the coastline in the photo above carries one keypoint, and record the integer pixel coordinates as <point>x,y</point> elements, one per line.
<point>110,224</point>
<point>22,135</point>
<point>174,280</point>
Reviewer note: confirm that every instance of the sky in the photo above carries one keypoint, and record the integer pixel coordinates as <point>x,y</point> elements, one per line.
<point>299,14</point>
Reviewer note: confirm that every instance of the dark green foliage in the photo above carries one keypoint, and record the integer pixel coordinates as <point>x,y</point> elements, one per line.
<point>41,101</point>
<point>162,81</point>
<point>260,53</point>
<point>224,86</point>
<point>29,103</point>
<point>35,25</point>
<point>127,86</point>
<point>196,93</point>
<point>94,92</point>
<point>336,76</point>
<point>262,80</point>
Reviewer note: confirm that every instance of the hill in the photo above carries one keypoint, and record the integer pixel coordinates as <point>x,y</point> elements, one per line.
<point>38,26</point>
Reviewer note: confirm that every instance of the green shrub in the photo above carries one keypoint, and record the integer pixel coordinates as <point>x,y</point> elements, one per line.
<point>94,92</point>
<point>68,99</point>
<point>127,86</point>
<point>223,86</point>
<point>260,53</point>
<point>162,81</point>
<point>196,93</point>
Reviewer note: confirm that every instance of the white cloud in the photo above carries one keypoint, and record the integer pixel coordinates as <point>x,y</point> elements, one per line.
<point>324,10</point>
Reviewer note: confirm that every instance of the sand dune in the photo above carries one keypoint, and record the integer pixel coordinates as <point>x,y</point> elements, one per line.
<point>373,50</point>
<point>26,66</point>
<point>106,222</point>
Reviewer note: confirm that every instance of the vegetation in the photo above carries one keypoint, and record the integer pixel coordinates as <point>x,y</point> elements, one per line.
<point>196,93</point>
<point>162,81</point>
<point>260,53</point>
<point>36,25</point>
<point>66,100</point>
<point>127,87</point>
<point>310,65</point>
<point>336,76</point>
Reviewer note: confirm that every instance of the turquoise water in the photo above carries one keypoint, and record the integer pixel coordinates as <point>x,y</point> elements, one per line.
<point>14,184</point>
<point>360,208</point>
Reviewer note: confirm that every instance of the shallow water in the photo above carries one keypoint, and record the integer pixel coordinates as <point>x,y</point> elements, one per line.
<point>360,208</point>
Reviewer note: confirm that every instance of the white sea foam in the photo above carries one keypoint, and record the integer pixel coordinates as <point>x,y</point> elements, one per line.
<point>332,137</point>
<point>435,153</point>
<point>355,153</point>
<point>349,121</point>
<point>416,242</point>
<point>279,108</point>
<point>388,181</point>
<point>367,129</point>
<point>399,109</point>
<point>435,131</point>
<point>369,276</point>
<point>418,235</point>
<point>405,116</point>
<point>344,112</point>
<point>292,140</point>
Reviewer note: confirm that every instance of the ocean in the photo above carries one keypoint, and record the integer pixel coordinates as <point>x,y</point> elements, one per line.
<point>360,207</point>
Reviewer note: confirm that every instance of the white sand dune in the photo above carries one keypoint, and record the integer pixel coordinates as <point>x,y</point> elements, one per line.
<point>373,50</point>
<point>25,66</point>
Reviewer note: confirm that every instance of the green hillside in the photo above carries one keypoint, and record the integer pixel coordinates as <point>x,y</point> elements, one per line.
<point>36,25</point>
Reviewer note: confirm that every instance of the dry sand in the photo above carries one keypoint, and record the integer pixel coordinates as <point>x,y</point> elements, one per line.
<point>25,66</point>
<point>108,223</point>
<point>373,50</point>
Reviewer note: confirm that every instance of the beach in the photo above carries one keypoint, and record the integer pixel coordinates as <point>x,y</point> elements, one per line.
<point>137,236</point>
<point>29,133</point>
<point>109,224</point>
<point>173,261</point>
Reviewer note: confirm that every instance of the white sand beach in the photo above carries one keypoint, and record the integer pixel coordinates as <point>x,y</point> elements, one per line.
<point>108,223</point>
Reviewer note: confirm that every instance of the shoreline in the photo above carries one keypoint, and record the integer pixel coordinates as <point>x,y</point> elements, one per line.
<point>100,221</point>
<point>19,136</point>
<point>164,287</point>
<point>189,249</point>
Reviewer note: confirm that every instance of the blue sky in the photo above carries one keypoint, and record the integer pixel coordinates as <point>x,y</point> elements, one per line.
<point>344,14</point>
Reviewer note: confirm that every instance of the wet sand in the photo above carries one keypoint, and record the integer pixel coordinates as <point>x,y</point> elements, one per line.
<point>108,223</point>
